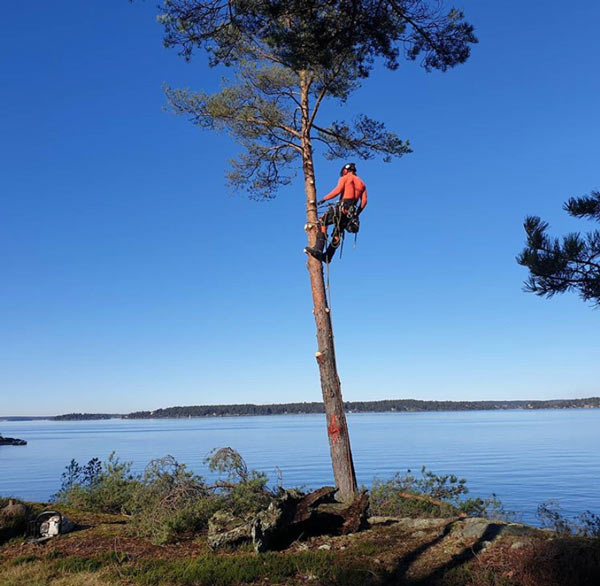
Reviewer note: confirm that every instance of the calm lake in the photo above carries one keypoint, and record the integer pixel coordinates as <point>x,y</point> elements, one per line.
<point>524,457</point>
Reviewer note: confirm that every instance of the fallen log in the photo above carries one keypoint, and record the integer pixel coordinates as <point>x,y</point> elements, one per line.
<point>290,517</point>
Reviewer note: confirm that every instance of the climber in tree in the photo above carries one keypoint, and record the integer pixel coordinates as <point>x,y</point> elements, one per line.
<point>343,215</point>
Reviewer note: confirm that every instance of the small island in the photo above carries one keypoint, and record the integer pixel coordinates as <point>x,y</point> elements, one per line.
<point>11,441</point>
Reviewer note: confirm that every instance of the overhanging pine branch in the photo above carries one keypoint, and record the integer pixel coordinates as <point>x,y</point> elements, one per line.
<point>367,138</point>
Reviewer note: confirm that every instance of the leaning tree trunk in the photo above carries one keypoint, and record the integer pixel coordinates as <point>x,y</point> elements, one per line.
<point>337,429</point>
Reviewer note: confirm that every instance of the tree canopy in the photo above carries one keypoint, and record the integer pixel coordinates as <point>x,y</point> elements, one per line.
<point>287,52</point>
<point>570,264</point>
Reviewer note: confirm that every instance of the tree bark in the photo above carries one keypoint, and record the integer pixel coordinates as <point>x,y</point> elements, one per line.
<point>337,428</point>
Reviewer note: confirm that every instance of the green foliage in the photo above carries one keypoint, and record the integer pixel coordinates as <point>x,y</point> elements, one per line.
<point>435,496</point>
<point>587,207</point>
<point>96,487</point>
<point>167,502</point>
<point>572,264</point>
<point>324,567</point>
<point>242,490</point>
<point>171,502</point>
<point>77,564</point>
<point>249,111</point>
<point>586,524</point>
<point>304,34</point>
<point>290,56</point>
<point>364,138</point>
<point>24,559</point>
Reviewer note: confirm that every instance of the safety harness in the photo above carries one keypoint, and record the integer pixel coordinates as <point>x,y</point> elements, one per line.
<point>345,219</point>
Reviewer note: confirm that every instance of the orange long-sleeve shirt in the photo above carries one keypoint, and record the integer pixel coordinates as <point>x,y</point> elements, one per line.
<point>350,187</point>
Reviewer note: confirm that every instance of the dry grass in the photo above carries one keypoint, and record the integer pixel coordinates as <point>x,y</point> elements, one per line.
<point>563,561</point>
<point>40,573</point>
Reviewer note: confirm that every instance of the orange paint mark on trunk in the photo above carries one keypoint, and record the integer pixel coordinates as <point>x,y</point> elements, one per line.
<point>333,429</point>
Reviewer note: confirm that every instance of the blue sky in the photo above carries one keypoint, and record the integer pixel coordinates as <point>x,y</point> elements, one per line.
<point>133,279</point>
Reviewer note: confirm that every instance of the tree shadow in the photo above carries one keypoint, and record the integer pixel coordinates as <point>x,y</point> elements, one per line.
<point>399,575</point>
<point>561,561</point>
<point>466,555</point>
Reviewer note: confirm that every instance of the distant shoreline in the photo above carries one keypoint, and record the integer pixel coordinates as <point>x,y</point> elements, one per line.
<point>385,406</point>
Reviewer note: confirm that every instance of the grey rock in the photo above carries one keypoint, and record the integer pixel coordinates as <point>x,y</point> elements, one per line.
<point>478,528</point>
<point>377,520</point>
<point>225,529</point>
<point>263,529</point>
<point>410,524</point>
<point>518,529</point>
<point>471,528</point>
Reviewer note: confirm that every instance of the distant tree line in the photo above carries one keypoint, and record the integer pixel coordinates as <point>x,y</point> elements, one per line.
<point>402,405</point>
<point>85,416</point>
<point>390,405</point>
<point>220,410</point>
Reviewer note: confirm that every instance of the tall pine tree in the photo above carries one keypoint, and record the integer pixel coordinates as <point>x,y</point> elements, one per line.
<point>288,57</point>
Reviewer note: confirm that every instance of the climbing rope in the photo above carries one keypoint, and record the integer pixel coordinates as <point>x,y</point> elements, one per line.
<point>327,287</point>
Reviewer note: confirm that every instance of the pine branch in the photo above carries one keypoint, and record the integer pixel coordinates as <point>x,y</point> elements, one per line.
<point>444,39</point>
<point>366,138</point>
<point>584,207</point>
<point>555,267</point>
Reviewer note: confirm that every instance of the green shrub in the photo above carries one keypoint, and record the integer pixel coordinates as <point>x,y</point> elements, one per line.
<point>433,496</point>
<point>171,502</point>
<point>106,487</point>
<point>167,502</point>
<point>241,490</point>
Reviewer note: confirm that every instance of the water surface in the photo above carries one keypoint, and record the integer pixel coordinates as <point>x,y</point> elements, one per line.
<point>525,457</point>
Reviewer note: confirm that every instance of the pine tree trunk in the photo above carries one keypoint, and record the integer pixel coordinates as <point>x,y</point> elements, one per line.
<point>337,429</point>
